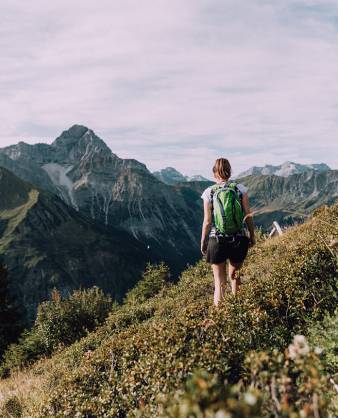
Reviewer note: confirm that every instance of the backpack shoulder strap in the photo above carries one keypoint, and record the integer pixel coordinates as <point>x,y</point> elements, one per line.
<point>233,185</point>
<point>214,188</point>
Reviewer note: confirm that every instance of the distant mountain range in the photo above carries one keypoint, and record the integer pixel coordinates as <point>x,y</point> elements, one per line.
<point>170,175</point>
<point>75,214</point>
<point>284,170</point>
<point>292,198</point>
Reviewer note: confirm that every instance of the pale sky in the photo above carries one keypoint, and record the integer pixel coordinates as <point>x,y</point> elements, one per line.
<point>175,82</point>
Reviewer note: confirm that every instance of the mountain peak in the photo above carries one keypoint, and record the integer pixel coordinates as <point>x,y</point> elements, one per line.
<point>170,175</point>
<point>71,135</point>
<point>171,170</point>
<point>79,140</point>
<point>75,131</point>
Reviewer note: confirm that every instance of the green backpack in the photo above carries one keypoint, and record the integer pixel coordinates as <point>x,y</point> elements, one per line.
<point>227,209</point>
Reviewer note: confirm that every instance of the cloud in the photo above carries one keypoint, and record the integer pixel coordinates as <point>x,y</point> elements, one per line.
<point>175,83</point>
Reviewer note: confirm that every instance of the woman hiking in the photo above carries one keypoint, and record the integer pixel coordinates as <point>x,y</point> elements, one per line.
<point>226,205</point>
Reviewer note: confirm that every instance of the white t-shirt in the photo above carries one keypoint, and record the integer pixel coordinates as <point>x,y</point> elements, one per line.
<point>206,195</point>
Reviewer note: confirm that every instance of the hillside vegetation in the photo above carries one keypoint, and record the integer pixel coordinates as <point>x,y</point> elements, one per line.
<point>170,353</point>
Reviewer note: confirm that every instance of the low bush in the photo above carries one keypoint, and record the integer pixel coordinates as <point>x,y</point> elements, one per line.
<point>293,383</point>
<point>275,384</point>
<point>324,336</point>
<point>63,321</point>
<point>206,395</point>
<point>27,349</point>
<point>12,408</point>
<point>154,279</point>
<point>59,323</point>
<point>11,321</point>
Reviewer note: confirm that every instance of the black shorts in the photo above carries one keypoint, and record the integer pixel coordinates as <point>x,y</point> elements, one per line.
<point>235,249</point>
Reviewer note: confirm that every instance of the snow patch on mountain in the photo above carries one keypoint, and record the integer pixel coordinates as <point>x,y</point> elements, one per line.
<point>58,175</point>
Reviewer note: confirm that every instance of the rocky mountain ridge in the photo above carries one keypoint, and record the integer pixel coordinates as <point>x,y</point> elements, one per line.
<point>284,170</point>
<point>290,199</point>
<point>170,175</point>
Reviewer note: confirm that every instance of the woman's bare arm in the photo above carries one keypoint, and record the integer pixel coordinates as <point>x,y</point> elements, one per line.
<point>249,220</point>
<point>207,221</point>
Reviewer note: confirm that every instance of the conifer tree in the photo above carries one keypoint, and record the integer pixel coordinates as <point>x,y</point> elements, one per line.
<point>10,318</point>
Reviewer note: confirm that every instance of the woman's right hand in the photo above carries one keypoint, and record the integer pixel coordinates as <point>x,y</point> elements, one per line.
<point>252,242</point>
<point>203,248</point>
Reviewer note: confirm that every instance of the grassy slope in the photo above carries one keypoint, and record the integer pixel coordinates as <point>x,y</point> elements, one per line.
<point>13,218</point>
<point>16,199</point>
<point>151,348</point>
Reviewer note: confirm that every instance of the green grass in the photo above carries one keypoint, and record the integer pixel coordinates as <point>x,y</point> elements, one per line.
<point>14,217</point>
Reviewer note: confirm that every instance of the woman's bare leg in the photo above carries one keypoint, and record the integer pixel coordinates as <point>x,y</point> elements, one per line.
<point>219,271</point>
<point>235,281</point>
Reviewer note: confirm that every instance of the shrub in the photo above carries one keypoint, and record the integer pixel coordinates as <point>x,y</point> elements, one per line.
<point>12,408</point>
<point>205,395</point>
<point>27,349</point>
<point>59,323</point>
<point>154,279</point>
<point>275,384</point>
<point>63,321</point>
<point>324,336</point>
<point>293,383</point>
<point>11,324</point>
